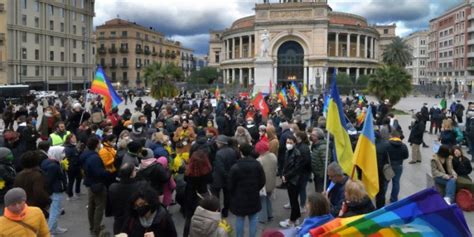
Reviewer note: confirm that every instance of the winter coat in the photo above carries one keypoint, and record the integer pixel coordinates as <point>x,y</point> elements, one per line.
<point>72,155</point>
<point>195,185</point>
<point>246,178</point>
<point>34,218</point>
<point>396,150</point>
<point>93,168</point>
<point>74,120</point>
<point>55,178</point>
<point>336,196</point>
<point>448,137</point>
<point>107,155</point>
<point>118,197</point>
<point>169,186</point>
<point>306,155</point>
<point>462,166</point>
<point>269,164</point>
<point>416,134</point>
<point>159,150</point>
<point>437,169</point>
<point>28,137</point>
<point>206,223</point>
<point>185,138</point>
<point>162,225</point>
<point>305,113</point>
<point>294,166</point>
<point>318,158</point>
<point>131,159</point>
<point>34,183</point>
<point>152,172</point>
<point>7,175</point>
<point>274,145</point>
<point>358,208</point>
<point>225,158</point>
<point>243,138</point>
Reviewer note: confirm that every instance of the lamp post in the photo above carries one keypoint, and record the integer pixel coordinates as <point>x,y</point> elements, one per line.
<point>325,74</point>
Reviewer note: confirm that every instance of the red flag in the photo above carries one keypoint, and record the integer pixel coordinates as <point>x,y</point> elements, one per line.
<point>259,103</point>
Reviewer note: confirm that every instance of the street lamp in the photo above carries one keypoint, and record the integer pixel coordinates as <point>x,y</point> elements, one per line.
<point>325,73</point>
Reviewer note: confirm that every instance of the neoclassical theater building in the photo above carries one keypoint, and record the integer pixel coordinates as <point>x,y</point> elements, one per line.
<point>308,42</point>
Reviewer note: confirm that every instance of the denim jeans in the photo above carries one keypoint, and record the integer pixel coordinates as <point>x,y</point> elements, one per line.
<point>304,182</point>
<point>397,169</point>
<point>54,210</point>
<point>240,222</point>
<point>450,186</point>
<point>266,213</point>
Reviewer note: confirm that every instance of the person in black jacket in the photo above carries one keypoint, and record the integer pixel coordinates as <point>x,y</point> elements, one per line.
<point>147,215</point>
<point>356,200</point>
<point>152,172</point>
<point>292,176</point>
<point>246,179</point>
<point>7,172</point>
<point>74,175</point>
<point>396,151</point>
<point>120,195</point>
<point>302,144</point>
<point>416,139</point>
<point>198,175</point>
<point>225,158</point>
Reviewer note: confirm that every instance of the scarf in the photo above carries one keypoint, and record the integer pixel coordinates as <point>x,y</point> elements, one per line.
<point>16,217</point>
<point>147,222</point>
<point>395,139</point>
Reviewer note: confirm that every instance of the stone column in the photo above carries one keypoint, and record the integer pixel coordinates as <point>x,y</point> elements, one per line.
<point>357,73</point>
<point>365,71</point>
<point>358,46</point>
<point>250,47</point>
<point>241,47</point>
<point>241,76</point>
<point>275,76</point>
<point>305,75</point>
<point>233,75</point>
<point>366,46</point>
<point>311,75</point>
<point>337,44</point>
<point>233,50</point>
<point>373,48</point>
<point>348,45</point>
<point>348,71</point>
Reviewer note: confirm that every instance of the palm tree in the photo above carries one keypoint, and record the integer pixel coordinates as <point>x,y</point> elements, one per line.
<point>397,53</point>
<point>390,82</point>
<point>161,78</point>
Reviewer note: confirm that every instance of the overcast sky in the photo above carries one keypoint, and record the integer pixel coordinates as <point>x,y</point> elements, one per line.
<point>189,21</point>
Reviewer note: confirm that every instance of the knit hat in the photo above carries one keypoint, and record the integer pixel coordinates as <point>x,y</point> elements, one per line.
<point>222,139</point>
<point>147,153</point>
<point>14,195</point>
<point>4,152</point>
<point>262,147</point>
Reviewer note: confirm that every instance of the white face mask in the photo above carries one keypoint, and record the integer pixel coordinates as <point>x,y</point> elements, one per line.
<point>289,147</point>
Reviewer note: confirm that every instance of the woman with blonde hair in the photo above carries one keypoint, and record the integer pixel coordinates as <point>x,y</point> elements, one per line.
<point>356,200</point>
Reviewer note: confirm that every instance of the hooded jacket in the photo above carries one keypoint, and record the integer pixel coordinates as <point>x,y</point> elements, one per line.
<point>93,168</point>
<point>206,223</point>
<point>396,150</point>
<point>154,173</point>
<point>55,178</point>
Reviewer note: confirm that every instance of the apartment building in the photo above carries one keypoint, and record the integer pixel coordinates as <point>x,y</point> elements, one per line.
<point>418,42</point>
<point>187,61</point>
<point>49,44</point>
<point>3,40</point>
<point>125,48</point>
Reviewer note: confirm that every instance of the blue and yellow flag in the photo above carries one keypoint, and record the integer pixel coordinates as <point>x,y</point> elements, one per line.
<point>365,156</point>
<point>336,126</point>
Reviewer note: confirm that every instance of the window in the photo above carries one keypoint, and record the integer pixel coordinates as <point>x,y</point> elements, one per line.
<point>23,20</point>
<point>37,22</point>
<point>112,34</point>
<point>62,71</point>
<point>51,71</point>
<point>37,54</point>
<point>124,76</point>
<point>83,30</point>
<point>23,4</point>
<point>51,55</point>
<point>24,37</point>
<point>51,25</point>
<point>62,27</point>
<point>83,71</point>
<point>74,16</point>
<point>113,78</point>
<point>51,40</point>
<point>51,10</point>
<point>24,70</point>
<point>422,52</point>
<point>102,61</point>
<point>37,70</point>
<point>124,33</point>
<point>74,42</point>
<point>62,56</point>
<point>74,71</point>
<point>138,35</point>
<point>441,34</point>
<point>83,45</point>
<point>61,12</point>
<point>37,38</point>
<point>124,61</point>
<point>37,6</point>
<point>81,3</point>
<point>385,31</point>
<point>74,58</point>
<point>74,29</point>
<point>83,58</point>
<point>440,55</point>
<point>83,17</point>
<point>23,53</point>
<point>113,61</point>
<point>62,42</point>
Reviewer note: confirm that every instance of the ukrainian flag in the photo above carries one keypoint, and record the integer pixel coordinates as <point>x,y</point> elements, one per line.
<point>336,126</point>
<point>365,156</point>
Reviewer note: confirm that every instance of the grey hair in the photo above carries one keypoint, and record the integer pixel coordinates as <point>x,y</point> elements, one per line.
<point>336,168</point>
<point>320,133</point>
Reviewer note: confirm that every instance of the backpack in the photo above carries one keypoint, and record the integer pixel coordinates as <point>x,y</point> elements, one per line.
<point>465,200</point>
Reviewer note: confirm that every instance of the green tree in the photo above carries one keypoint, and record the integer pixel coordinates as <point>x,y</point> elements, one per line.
<point>363,80</point>
<point>390,82</point>
<point>344,82</point>
<point>207,75</point>
<point>397,53</point>
<point>161,78</point>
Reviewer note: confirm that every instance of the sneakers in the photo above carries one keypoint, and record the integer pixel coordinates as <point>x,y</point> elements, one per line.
<point>287,224</point>
<point>287,206</point>
<point>447,200</point>
<point>303,210</point>
<point>58,231</point>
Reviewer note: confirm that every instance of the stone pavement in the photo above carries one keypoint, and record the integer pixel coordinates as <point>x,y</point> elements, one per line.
<point>413,180</point>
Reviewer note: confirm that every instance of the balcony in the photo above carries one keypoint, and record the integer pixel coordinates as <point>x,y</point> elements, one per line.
<point>101,50</point>
<point>147,52</point>
<point>123,50</point>
<point>113,66</point>
<point>470,17</point>
<point>154,54</point>
<point>139,50</point>
<point>113,50</point>
<point>124,65</point>
<point>470,54</point>
<point>470,67</point>
<point>470,29</point>
<point>161,54</point>
<point>139,66</point>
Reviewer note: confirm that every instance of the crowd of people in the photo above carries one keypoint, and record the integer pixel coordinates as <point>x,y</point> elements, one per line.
<point>185,151</point>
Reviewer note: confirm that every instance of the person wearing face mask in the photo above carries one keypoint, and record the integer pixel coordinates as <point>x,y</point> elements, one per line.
<point>74,119</point>
<point>253,130</point>
<point>74,169</point>
<point>292,176</point>
<point>123,140</point>
<point>138,133</point>
<point>159,142</point>
<point>147,216</point>
<point>56,185</point>
<point>28,133</point>
<point>262,133</point>
<point>107,154</point>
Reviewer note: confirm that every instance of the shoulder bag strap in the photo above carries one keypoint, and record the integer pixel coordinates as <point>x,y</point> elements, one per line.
<point>26,226</point>
<point>388,159</point>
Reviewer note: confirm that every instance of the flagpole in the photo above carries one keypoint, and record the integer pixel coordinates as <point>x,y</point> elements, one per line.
<point>85,107</point>
<point>326,163</point>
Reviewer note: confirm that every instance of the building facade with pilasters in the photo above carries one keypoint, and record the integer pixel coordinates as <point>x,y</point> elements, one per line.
<point>308,42</point>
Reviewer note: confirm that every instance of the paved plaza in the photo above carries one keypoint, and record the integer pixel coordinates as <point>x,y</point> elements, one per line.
<point>413,180</point>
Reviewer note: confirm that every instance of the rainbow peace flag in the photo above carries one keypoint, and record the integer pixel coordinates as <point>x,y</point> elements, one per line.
<point>365,156</point>
<point>282,97</point>
<point>422,214</point>
<point>102,86</point>
<point>294,89</point>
